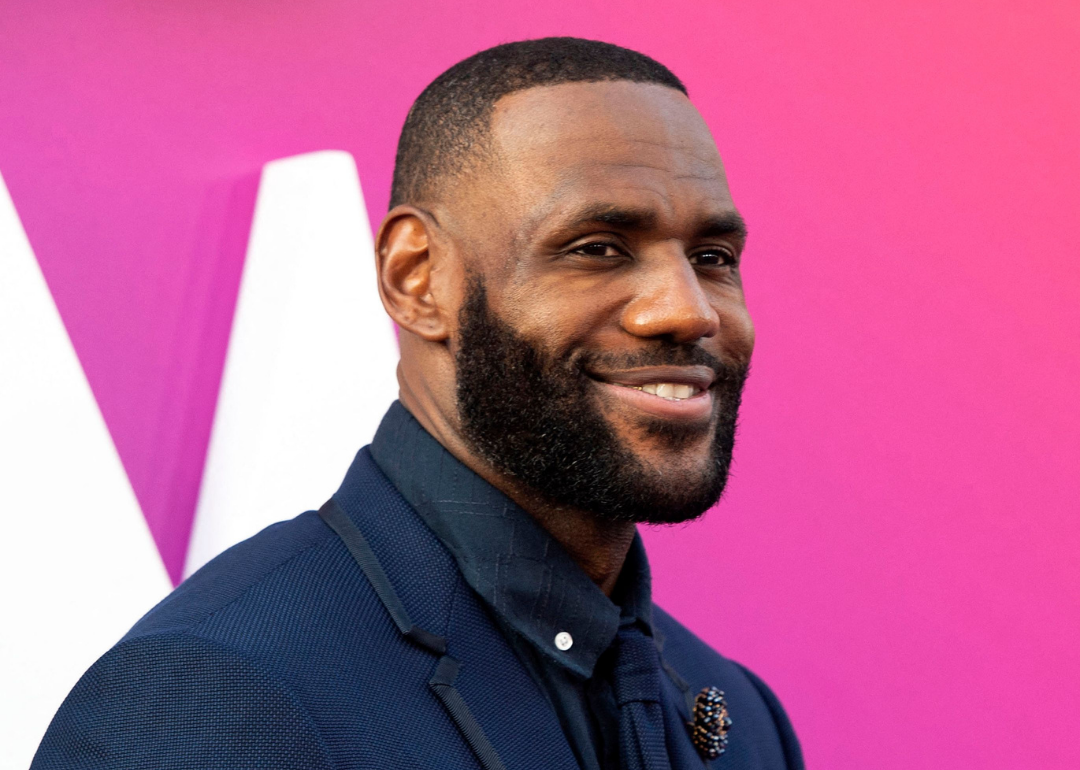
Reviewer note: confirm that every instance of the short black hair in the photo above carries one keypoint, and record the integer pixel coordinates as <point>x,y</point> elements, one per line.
<point>450,116</point>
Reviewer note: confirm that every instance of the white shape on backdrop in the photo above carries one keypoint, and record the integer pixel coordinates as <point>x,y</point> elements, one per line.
<point>312,356</point>
<point>78,565</point>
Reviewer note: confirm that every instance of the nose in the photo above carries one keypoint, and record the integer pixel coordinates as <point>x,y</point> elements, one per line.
<point>671,303</point>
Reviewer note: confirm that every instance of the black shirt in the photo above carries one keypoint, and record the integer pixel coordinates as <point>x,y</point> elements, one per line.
<point>558,621</point>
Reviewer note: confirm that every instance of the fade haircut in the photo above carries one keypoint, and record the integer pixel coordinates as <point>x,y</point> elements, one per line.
<point>448,123</point>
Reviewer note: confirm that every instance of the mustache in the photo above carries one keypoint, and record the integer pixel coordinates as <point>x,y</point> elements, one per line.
<point>666,354</point>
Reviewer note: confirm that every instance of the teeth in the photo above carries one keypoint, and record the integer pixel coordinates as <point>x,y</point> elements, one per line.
<point>669,390</point>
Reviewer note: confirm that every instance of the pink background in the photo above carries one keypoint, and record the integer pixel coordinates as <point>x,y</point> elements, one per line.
<point>897,554</point>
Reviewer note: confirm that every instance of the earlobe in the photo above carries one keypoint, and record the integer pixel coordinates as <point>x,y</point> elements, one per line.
<point>404,261</point>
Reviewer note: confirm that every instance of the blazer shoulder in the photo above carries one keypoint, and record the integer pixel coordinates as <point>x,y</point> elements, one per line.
<point>235,573</point>
<point>174,700</point>
<point>750,700</point>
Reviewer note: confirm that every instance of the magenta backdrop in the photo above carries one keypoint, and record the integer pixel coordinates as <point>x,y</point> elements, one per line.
<point>898,552</point>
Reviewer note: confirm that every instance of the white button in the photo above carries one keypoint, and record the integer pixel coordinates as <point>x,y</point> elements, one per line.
<point>564,641</point>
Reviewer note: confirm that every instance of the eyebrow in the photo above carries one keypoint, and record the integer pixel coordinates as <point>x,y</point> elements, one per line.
<point>726,224</point>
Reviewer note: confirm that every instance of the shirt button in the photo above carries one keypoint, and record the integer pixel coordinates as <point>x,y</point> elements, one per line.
<point>564,641</point>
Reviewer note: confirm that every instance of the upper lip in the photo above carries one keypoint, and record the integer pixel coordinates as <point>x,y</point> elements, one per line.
<point>701,377</point>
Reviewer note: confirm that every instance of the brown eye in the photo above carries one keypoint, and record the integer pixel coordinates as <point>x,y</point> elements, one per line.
<point>712,258</point>
<point>598,249</point>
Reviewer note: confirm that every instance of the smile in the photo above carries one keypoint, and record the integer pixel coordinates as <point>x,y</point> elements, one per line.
<point>678,393</point>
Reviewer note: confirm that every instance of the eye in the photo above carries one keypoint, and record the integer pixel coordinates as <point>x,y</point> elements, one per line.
<point>712,258</point>
<point>600,249</point>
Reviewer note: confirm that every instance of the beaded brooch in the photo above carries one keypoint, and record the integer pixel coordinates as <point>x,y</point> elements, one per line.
<point>711,723</point>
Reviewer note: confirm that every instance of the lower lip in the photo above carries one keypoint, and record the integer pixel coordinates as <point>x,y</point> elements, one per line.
<point>695,408</point>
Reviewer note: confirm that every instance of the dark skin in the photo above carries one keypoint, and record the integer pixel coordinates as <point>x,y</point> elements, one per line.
<point>600,219</point>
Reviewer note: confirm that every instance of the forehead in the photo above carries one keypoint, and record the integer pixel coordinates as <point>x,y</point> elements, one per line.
<point>643,146</point>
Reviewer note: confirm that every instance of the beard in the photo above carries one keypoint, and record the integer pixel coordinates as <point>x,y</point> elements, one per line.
<point>535,417</point>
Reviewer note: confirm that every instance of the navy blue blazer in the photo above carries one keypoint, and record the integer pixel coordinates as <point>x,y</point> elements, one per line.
<point>281,653</point>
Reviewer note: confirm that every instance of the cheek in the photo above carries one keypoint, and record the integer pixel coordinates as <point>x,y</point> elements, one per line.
<point>557,321</point>
<point>736,330</point>
<point>746,335</point>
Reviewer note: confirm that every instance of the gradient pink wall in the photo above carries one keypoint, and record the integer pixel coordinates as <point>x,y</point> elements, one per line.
<point>898,552</point>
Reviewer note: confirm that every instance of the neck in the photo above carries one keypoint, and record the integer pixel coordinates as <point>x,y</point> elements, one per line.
<point>599,547</point>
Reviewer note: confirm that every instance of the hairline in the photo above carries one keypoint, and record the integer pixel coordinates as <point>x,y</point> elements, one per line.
<point>482,126</point>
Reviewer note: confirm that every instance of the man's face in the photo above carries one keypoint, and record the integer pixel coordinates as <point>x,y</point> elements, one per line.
<point>603,336</point>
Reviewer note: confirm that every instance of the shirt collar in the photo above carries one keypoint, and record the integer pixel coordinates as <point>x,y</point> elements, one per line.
<point>504,554</point>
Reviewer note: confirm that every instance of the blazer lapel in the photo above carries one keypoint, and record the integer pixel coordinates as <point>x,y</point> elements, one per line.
<point>506,704</point>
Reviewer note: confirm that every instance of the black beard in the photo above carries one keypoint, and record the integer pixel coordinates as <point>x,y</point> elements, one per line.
<point>533,417</point>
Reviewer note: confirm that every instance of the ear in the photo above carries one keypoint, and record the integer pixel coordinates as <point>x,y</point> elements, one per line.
<point>404,262</point>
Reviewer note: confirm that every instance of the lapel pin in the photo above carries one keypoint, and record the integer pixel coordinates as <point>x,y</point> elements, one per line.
<point>709,730</point>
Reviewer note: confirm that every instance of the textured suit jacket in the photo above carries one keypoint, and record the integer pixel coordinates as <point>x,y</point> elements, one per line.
<point>288,651</point>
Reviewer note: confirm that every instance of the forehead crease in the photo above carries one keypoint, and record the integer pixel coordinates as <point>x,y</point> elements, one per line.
<point>706,175</point>
<point>623,151</point>
<point>613,157</point>
<point>641,172</point>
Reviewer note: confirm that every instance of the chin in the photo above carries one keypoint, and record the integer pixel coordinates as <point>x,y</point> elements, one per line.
<point>681,505</point>
<point>671,486</point>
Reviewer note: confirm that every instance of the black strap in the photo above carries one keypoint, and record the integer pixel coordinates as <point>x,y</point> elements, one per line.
<point>446,671</point>
<point>354,540</point>
<point>443,685</point>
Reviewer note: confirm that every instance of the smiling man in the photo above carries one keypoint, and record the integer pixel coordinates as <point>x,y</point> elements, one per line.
<point>562,259</point>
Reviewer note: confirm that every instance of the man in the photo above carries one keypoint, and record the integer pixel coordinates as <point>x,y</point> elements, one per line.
<point>562,259</point>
